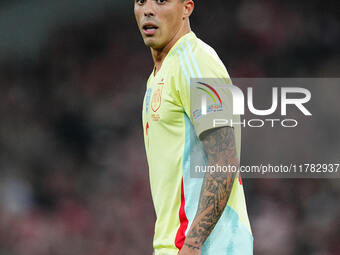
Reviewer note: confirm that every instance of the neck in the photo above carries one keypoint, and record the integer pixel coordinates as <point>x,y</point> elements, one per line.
<point>159,55</point>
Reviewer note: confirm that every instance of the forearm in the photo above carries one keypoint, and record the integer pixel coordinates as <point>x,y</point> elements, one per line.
<point>216,188</point>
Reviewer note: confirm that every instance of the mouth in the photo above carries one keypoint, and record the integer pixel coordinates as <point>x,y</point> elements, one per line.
<point>149,29</point>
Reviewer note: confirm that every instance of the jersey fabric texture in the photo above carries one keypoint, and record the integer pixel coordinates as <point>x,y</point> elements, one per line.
<point>171,131</point>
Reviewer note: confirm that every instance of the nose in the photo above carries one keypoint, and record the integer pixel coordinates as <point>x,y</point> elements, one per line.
<point>149,9</point>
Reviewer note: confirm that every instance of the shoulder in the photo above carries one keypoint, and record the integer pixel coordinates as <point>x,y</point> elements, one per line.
<point>193,58</point>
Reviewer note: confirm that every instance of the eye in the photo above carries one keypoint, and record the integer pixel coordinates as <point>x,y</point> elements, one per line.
<point>161,1</point>
<point>140,2</point>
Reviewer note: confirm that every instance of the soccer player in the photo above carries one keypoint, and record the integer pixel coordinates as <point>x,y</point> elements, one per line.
<point>194,215</point>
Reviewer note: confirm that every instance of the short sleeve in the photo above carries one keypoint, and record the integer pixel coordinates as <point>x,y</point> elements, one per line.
<point>212,104</point>
<point>208,102</point>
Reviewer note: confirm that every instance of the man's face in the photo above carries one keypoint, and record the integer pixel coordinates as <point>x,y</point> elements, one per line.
<point>159,20</point>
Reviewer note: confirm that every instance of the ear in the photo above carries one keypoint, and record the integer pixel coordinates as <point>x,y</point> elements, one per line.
<point>189,6</point>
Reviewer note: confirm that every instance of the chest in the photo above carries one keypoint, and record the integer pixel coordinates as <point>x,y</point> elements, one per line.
<point>161,105</point>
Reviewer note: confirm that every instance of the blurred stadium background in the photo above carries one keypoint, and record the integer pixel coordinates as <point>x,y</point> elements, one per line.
<point>73,172</point>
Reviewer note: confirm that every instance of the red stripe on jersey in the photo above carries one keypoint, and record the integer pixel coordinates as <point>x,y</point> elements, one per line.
<point>180,236</point>
<point>240,179</point>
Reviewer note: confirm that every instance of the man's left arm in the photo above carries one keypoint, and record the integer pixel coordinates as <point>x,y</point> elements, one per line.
<point>219,145</point>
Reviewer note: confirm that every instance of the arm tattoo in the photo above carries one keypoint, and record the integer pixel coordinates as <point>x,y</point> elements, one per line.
<point>219,145</point>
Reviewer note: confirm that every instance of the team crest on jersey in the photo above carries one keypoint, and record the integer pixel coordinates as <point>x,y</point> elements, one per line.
<point>156,99</point>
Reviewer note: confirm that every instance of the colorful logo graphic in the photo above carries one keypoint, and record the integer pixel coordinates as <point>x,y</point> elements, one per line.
<point>205,108</point>
<point>210,91</point>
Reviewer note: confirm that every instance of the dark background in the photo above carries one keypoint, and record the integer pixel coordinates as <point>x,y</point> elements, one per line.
<point>73,172</point>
